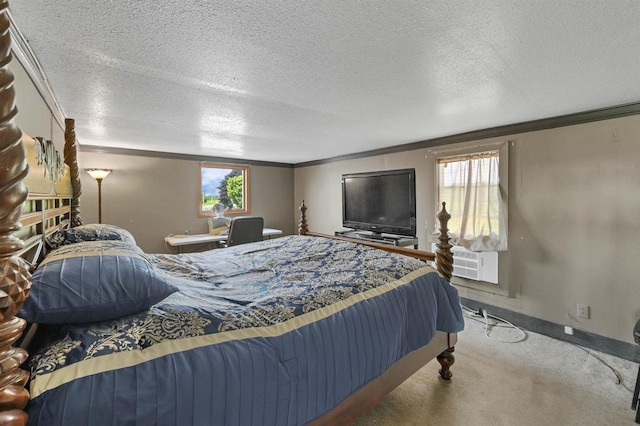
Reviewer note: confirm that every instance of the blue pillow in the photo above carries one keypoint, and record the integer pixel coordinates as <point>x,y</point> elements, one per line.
<point>91,232</point>
<point>93,281</point>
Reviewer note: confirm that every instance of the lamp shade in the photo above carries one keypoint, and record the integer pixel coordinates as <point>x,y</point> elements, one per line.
<point>98,174</point>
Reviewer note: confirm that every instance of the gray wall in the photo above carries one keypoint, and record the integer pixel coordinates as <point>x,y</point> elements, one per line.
<point>151,197</point>
<point>154,197</point>
<point>34,116</point>
<point>574,219</point>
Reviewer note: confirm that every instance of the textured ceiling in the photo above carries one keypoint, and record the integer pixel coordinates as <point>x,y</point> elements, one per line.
<point>295,81</point>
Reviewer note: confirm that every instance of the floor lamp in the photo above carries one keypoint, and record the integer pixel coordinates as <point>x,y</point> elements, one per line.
<point>98,175</point>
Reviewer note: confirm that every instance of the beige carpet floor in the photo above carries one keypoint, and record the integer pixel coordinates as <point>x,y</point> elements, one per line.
<point>538,381</point>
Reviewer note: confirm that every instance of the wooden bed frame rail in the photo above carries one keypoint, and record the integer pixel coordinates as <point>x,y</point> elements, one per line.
<point>443,256</point>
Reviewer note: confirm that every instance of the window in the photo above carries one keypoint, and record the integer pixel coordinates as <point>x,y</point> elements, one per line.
<point>469,184</point>
<point>226,184</point>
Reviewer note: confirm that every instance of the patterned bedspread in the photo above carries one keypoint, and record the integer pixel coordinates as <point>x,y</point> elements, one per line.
<point>277,332</point>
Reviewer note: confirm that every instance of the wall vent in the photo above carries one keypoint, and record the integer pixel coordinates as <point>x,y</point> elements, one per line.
<point>474,265</point>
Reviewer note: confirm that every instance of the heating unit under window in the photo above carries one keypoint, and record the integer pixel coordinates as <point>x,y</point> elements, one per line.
<point>473,265</point>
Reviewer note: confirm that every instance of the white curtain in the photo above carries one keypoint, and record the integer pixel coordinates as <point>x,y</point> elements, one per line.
<point>469,185</point>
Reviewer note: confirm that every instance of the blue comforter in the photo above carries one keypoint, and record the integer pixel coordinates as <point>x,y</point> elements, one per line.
<point>270,333</point>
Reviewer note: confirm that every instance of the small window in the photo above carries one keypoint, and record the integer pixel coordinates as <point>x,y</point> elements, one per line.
<point>470,186</point>
<point>226,184</point>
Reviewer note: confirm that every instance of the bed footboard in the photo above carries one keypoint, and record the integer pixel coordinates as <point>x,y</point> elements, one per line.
<point>444,255</point>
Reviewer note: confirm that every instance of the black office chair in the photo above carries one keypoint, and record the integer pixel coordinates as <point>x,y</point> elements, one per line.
<point>245,229</point>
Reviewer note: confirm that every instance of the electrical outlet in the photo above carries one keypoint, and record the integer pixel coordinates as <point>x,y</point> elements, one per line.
<point>568,330</point>
<point>583,311</point>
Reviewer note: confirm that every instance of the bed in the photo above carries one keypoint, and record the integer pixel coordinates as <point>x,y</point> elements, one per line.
<point>278,332</point>
<point>295,330</point>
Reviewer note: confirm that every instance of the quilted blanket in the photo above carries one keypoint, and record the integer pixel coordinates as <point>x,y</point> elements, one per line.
<point>277,332</point>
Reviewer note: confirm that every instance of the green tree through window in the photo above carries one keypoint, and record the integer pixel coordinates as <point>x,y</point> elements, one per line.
<point>223,189</point>
<point>234,190</point>
<point>226,184</point>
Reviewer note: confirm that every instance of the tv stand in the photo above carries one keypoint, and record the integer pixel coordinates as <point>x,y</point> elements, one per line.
<point>393,240</point>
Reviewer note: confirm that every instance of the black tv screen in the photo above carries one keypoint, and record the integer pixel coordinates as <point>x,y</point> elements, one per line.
<point>380,202</point>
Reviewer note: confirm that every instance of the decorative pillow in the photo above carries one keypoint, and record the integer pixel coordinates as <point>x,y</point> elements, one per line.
<point>92,232</point>
<point>93,281</point>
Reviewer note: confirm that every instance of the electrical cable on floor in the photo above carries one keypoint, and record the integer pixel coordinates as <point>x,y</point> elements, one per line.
<point>486,316</point>
<point>486,329</point>
<point>477,317</point>
<point>471,314</point>
<point>618,378</point>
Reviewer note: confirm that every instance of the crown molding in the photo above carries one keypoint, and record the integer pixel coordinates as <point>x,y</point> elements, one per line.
<point>27,58</point>
<point>582,117</point>
<point>177,156</point>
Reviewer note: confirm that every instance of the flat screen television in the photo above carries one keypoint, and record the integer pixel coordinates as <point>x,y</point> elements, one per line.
<point>380,202</point>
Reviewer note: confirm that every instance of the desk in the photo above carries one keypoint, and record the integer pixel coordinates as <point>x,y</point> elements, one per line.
<point>186,240</point>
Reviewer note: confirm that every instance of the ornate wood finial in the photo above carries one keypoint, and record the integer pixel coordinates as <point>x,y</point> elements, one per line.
<point>71,160</point>
<point>15,279</point>
<point>444,256</point>
<point>303,228</point>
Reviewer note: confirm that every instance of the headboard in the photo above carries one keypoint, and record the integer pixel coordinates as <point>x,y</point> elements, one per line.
<point>48,204</point>
<point>36,196</point>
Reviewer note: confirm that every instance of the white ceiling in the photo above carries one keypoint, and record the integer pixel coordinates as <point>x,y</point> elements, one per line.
<point>301,80</point>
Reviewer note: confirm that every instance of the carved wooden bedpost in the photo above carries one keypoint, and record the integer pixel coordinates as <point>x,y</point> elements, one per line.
<point>303,227</point>
<point>444,256</point>
<point>71,160</point>
<point>15,279</point>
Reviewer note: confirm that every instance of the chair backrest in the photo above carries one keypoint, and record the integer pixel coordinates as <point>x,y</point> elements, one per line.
<point>245,229</point>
